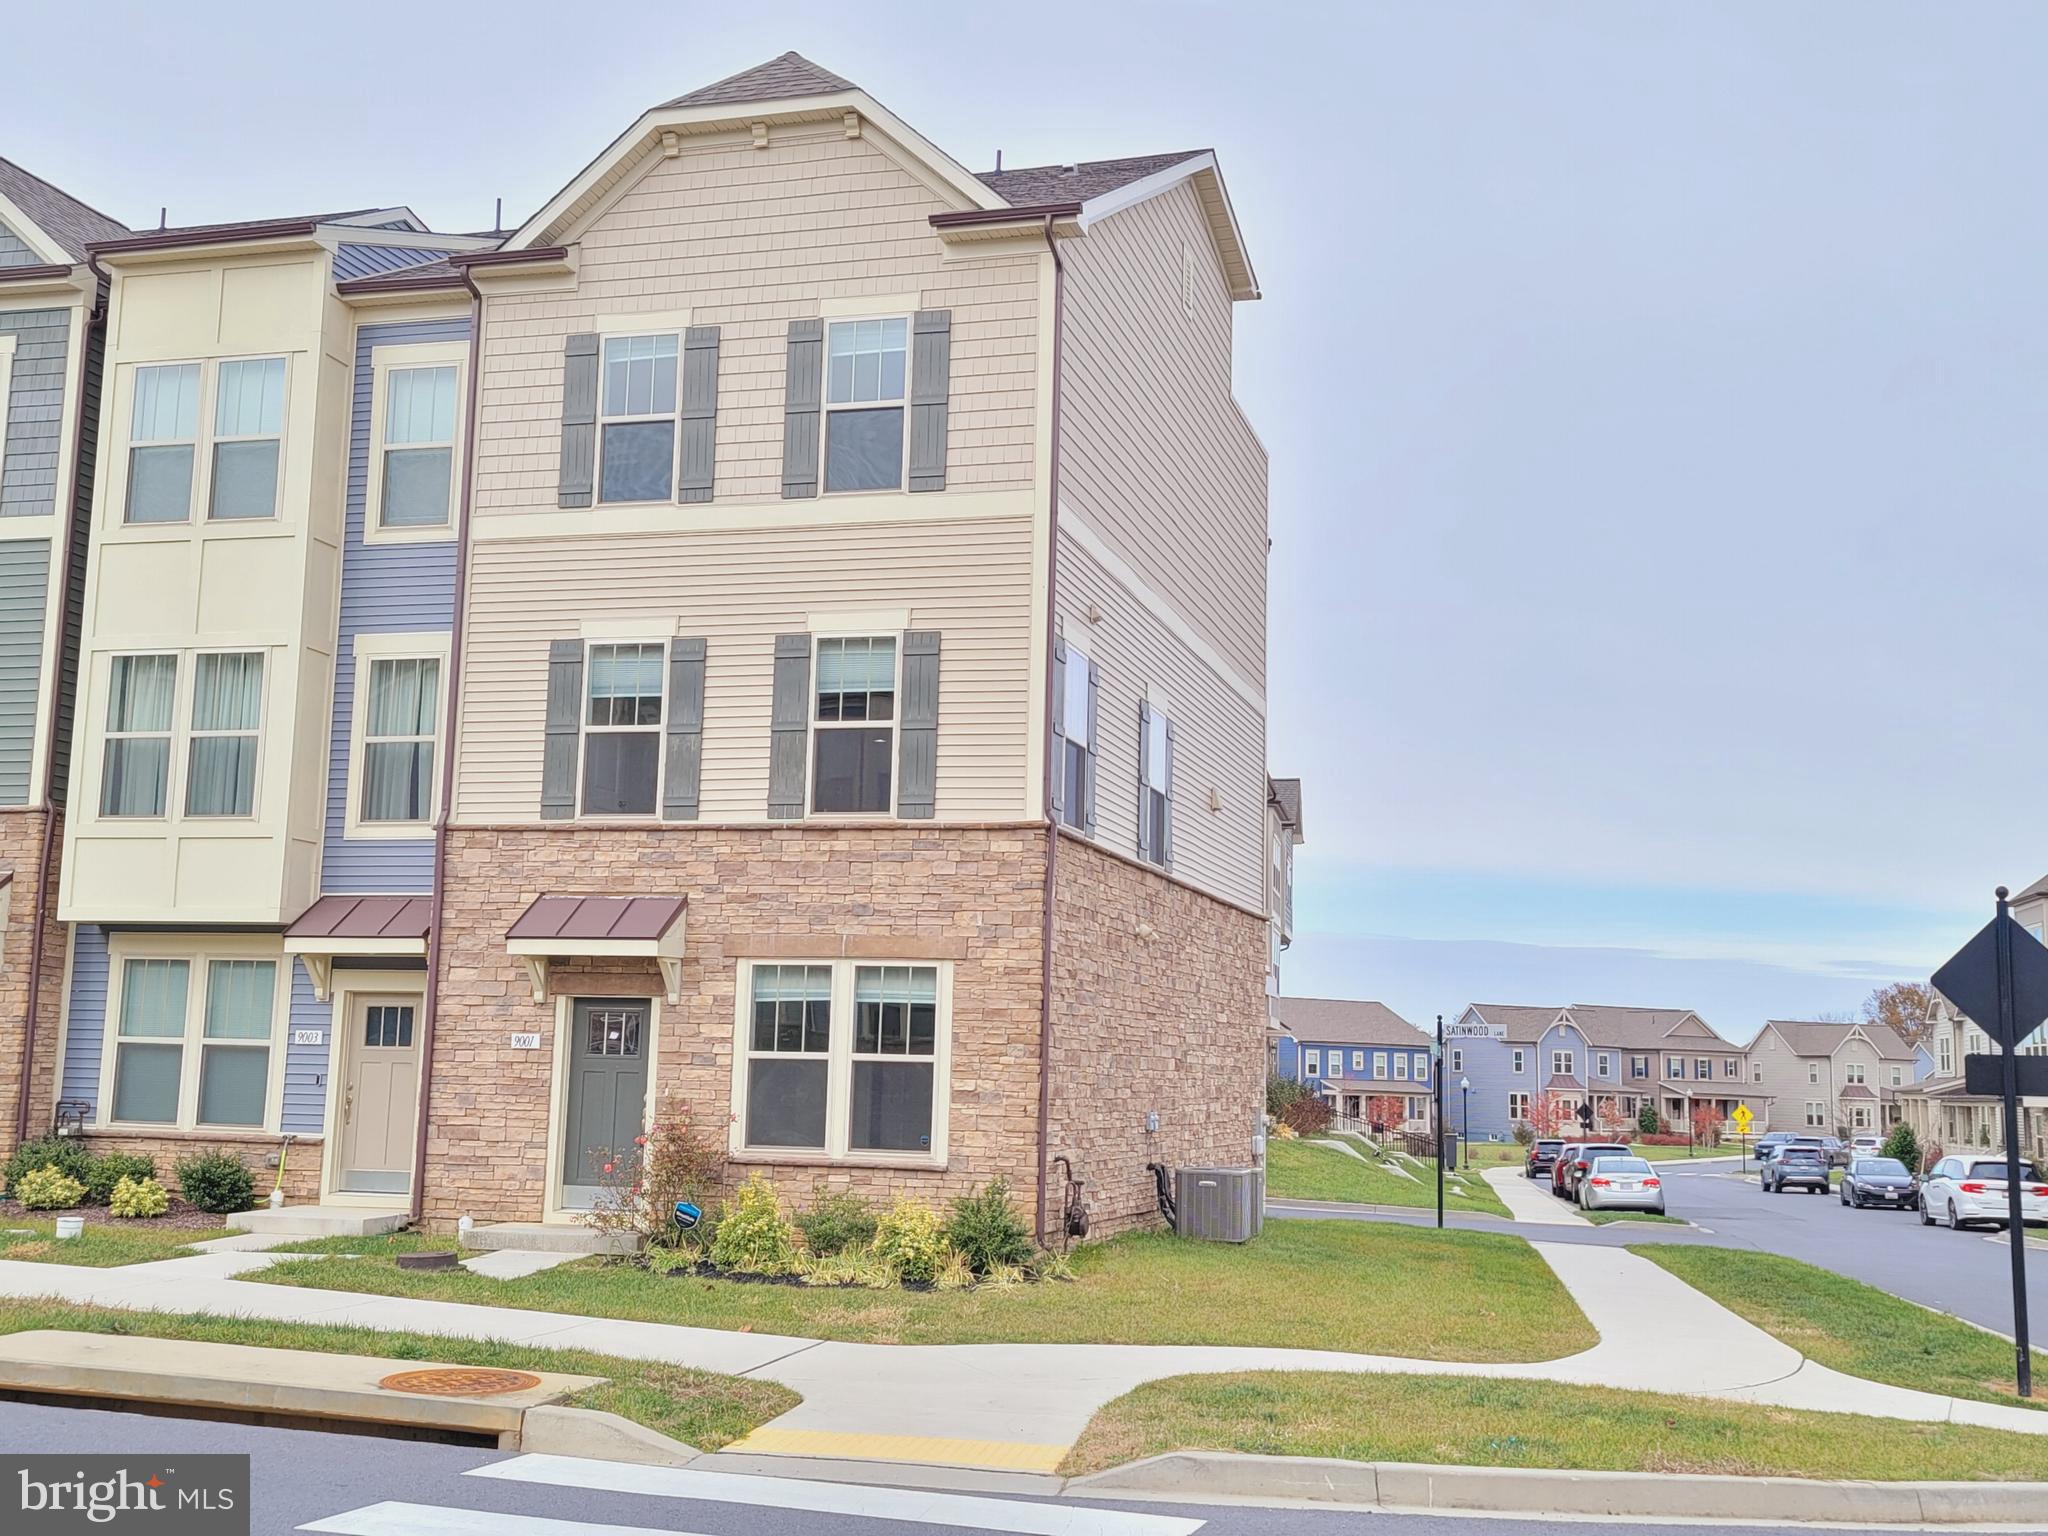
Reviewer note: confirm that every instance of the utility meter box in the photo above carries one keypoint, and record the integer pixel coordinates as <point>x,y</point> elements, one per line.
<point>1219,1205</point>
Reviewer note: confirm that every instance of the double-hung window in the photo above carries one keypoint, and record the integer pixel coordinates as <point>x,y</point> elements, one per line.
<point>1518,1106</point>
<point>1458,1060</point>
<point>1756,1071</point>
<point>866,366</point>
<point>401,706</point>
<point>1421,1068</point>
<point>1077,762</point>
<point>1731,1066</point>
<point>1358,1061</point>
<point>1379,1064</point>
<point>1853,1072</point>
<point>853,732</point>
<point>622,730</point>
<point>637,437</point>
<point>1674,1067</point>
<point>248,432</point>
<point>1155,790</point>
<point>1639,1066</point>
<point>1561,1063</point>
<point>227,713</point>
<point>1519,1061</point>
<point>1603,1065</point>
<point>1400,1066</point>
<point>414,471</point>
<point>1703,1069</point>
<point>135,779</point>
<point>195,1042</point>
<point>1336,1064</point>
<point>1813,1072</point>
<point>163,436</point>
<point>842,1059</point>
<point>1312,1063</point>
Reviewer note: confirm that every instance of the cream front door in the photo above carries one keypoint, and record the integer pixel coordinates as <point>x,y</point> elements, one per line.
<point>379,1091</point>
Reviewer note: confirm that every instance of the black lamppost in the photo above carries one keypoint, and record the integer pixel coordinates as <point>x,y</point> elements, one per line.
<point>1465,1136</point>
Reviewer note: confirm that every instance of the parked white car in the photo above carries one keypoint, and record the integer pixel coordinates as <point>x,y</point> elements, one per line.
<point>1961,1190</point>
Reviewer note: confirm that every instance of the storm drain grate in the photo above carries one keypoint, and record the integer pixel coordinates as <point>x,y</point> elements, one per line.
<point>459,1381</point>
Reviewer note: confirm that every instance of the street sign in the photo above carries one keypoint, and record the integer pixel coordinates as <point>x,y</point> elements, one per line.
<point>1478,1029</point>
<point>1742,1118</point>
<point>1970,981</point>
<point>1986,1075</point>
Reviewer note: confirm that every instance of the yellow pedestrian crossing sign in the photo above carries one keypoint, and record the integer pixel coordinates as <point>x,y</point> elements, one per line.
<point>1742,1118</point>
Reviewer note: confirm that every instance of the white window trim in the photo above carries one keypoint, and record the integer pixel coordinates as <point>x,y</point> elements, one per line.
<point>674,418</point>
<point>895,638</point>
<point>395,357</point>
<point>199,508</point>
<point>1457,1058</point>
<point>826,407</point>
<point>189,733</point>
<point>584,727</point>
<point>1518,1106</point>
<point>196,950</point>
<point>839,1068</point>
<point>1400,1066</point>
<point>181,734</point>
<point>1379,1065</point>
<point>1421,1068</point>
<point>1519,1061</point>
<point>1358,1062</point>
<point>107,735</point>
<point>7,345</point>
<point>1563,1063</point>
<point>1312,1063</point>
<point>1073,804</point>
<point>369,648</point>
<point>1603,1064</point>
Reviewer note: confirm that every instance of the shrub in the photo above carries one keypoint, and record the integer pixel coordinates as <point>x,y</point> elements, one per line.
<point>639,1188</point>
<point>1647,1121</point>
<point>1306,1115</point>
<point>63,1153</point>
<point>1931,1154</point>
<point>48,1189</point>
<point>138,1197</point>
<point>754,1237</point>
<point>107,1172</point>
<point>835,1223</point>
<point>1903,1145</point>
<point>1281,1092</point>
<point>1525,1133</point>
<point>910,1240</point>
<point>216,1182</point>
<point>986,1230</point>
<point>855,1264</point>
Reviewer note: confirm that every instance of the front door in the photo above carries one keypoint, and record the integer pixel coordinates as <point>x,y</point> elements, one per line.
<point>379,1093</point>
<point>605,1099</point>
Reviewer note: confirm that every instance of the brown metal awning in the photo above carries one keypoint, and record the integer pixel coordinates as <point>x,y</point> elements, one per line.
<point>1856,1091</point>
<point>358,925</point>
<point>646,927</point>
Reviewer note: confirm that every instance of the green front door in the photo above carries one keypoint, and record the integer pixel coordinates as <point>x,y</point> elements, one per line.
<point>606,1097</point>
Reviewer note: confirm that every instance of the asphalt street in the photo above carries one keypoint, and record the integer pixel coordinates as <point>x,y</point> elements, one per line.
<point>1966,1273</point>
<point>349,1485</point>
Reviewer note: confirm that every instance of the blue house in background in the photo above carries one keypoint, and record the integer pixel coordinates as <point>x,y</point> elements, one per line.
<point>1352,1052</point>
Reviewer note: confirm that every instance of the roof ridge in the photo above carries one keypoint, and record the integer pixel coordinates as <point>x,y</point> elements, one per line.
<point>787,74</point>
<point>66,229</point>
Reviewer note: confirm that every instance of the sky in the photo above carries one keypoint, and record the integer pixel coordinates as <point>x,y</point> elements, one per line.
<point>1656,398</point>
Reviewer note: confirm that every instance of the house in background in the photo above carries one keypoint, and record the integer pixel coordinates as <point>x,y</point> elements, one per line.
<point>1353,1052</point>
<point>1830,1078</point>
<point>1939,1105</point>
<point>51,341</point>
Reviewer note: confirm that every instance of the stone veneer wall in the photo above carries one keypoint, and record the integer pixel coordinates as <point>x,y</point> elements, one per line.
<point>1172,1021</point>
<point>259,1154</point>
<point>21,834</point>
<point>972,895</point>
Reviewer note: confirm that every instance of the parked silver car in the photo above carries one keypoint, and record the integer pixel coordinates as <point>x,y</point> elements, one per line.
<point>1622,1184</point>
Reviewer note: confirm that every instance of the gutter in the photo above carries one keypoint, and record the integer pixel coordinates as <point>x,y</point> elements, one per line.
<point>465,259</point>
<point>216,234</point>
<point>969,218</point>
<point>39,907</point>
<point>1052,829</point>
<point>451,691</point>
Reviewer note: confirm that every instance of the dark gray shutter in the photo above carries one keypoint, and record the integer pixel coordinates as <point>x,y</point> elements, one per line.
<point>579,419</point>
<point>790,726</point>
<point>1144,774</point>
<point>565,717</point>
<point>801,400</point>
<point>1094,756</point>
<point>700,412</point>
<point>1059,726</point>
<point>917,770</point>
<point>685,766</point>
<point>1166,791</point>
<point>931,381</point>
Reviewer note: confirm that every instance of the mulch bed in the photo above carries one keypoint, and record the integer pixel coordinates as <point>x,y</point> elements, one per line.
<point>180,1215</point>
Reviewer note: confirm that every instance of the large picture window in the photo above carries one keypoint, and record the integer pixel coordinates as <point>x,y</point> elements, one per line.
<point>622,730</point>
<point>195,1042</point>
<point>637,440</point>
<point>135,779</point>
<point>842,1059</point>
<point>853,732</point>
<point>866,366</point>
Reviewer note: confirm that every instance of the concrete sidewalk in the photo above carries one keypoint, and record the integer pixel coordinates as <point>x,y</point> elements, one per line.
<point>1531,1203</point>
<point>1018,1407</point>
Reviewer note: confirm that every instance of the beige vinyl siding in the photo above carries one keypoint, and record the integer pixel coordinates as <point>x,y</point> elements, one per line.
<point>748,240</point>
<point>971,581</point>
<point>1155,455</point>
<point>1219,739</point>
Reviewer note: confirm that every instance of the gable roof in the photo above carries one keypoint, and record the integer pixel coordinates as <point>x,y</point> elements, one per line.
<point>2038,888</point>
<point>1286,794</point>
<point>61,217</point>
<point>1343,1021</point>
<point>1029,186</point>
<point>782,77</point>
<point>1639,1029</point>
<point>1521,1021</point>
<point>1822,1037</point>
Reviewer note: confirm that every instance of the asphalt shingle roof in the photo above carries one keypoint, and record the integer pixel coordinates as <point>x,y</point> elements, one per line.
<point>789,74</point>
<point>1036,185</point>
<point>1818,1037</point>
<point>1343,1021</point>
<point>72,224</point>
<point>1286,793</point>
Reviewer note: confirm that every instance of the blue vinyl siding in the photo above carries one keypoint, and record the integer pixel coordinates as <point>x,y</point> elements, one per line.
<point>86,1018</point>
<point>305,1066</point>
<point>403,588</point>
<point>368,260</point>
<point>1294,1064</point>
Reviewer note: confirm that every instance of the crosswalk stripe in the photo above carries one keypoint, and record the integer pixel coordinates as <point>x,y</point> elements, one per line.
<point>916,1505</point>
<point>395,1518</point>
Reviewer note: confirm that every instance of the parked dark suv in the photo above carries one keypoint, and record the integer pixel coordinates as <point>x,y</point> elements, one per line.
<point>1796,1167</point>
<point>1542,1154</point>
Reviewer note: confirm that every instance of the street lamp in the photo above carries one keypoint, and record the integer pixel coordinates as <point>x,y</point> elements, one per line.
<point>1465,1136</point>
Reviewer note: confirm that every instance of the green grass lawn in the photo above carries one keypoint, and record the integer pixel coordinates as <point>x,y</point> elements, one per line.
<point>700,1408</point>
<point>102,1245</point>
<point>1299,1170</point>
<point>1448,1420</point>
<point>1602,1218</point>
<point>1493,1154</point>
<point>1373,1287</point>
<point>1852,1327</point>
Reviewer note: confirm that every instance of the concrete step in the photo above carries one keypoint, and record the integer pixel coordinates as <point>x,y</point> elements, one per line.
<point>549,1237</point>
<point>320,1220</point>
<point>514,1263</point>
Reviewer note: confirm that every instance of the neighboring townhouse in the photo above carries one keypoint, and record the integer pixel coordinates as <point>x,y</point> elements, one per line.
<point>1529,1064</point>
<point>778,638</point>
<point>50,349</point>
<point>1351,1053</point>
<point>1832,1078</point>
<point>1938,1104</point>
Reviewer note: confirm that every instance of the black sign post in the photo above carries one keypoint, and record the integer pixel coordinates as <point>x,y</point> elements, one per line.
<point>2000,980</point>
<point>1437,1125</point>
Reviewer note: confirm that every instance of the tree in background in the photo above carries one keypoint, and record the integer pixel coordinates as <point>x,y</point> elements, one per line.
<point>1648,1121</point>
<point>1613,1124</point>
<point>1903,1145</point>
<point>1903,1006</point>
<point>1550,1115</point>
<point>1385,1112</point>
<point>1706,1126</point>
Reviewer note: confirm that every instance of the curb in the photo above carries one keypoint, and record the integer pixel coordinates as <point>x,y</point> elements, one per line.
<point>590,1432</point>
<point>1197,1475</point>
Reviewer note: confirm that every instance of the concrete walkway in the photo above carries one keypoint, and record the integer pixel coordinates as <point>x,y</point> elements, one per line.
<point>1018,1407</point>
<point>1531,1202</point>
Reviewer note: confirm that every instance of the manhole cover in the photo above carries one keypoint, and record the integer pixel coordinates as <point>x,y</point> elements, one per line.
<point>460,1381</point>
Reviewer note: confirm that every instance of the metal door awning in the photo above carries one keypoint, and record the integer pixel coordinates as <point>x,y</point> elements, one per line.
<point>646,927</point>
<point>372,926</point>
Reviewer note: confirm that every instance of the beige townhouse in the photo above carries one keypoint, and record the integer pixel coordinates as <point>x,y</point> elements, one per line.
<point>1831,1078</point>
<point>860,735</point>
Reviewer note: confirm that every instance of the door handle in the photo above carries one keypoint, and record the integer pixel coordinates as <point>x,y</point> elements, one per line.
<point>348,1104</point>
